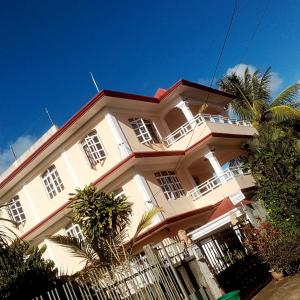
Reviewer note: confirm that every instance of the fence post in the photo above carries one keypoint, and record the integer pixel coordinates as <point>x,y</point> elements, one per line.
<point>208,276</point>
<point>182,288</point>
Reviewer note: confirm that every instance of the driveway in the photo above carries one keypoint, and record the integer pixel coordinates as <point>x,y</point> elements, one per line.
<point>287,289</point>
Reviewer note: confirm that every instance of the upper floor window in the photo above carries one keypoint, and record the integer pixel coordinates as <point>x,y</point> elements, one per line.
<point>145,130</point>
<point>119,193</point>
<point>170,184</point>
<point>52,182</point>
<point>93,148</point>
<point>74,230</point>
<point>15,210</point>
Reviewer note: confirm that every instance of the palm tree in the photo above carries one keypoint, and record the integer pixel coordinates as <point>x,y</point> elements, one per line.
<point>104,220</point>
<point>253,99</point>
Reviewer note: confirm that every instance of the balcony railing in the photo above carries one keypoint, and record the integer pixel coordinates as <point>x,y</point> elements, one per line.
<point>198,120</point>
<point>216,181</point>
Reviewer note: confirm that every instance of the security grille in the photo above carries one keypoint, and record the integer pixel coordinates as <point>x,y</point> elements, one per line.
<point>15,210</point>
<point>93,148</point>
<point>170,184</point>
<point>52,182</point>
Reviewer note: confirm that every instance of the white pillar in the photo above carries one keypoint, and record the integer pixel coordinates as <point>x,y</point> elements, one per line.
<point>50,252</point>
<point>147,195</point>
<point>118,134</point>
<point>70,169</point>
<point>214,162</point>
<point>31,203</point>
<point>185,110</point>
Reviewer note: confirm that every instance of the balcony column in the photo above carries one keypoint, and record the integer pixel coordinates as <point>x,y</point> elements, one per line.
<point>214,162</point>
<point>216,165</point>
<point>185,110</point>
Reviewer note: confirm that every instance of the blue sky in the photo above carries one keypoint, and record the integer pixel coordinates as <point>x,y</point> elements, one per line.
<point>48,49</point>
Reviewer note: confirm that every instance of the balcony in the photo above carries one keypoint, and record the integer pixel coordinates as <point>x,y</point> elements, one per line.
<point>215,182</point>
<point>198,120</point>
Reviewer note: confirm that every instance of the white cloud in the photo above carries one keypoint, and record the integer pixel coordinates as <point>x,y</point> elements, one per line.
<point>239,69</point>
<point>20,145</point>
<point>275,82</point>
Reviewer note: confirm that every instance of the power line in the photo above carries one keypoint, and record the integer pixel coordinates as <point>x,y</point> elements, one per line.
<point>211,83</point>
<point>254,33</point>
<point>224,43</point>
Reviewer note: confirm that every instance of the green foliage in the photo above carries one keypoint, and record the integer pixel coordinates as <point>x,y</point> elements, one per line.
<point>100,214</point>
<point>279,249</point>
<point>253,100</point>
<point>24,274</point>
<point>274,159</point>
<point>104,220</point>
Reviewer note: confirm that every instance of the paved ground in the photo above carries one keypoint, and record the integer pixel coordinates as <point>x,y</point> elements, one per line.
<point>286,289</point>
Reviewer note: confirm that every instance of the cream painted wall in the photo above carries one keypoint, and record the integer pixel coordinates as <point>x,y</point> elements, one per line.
<point>75,171</point>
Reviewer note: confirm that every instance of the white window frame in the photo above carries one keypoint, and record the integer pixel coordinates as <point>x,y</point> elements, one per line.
<point>119,193</point>
<point>141,131</point>
<point>170,184</point>
<point>93,148</point>
<point>15,210</point>
<point>52,182</point>
<point>74,230</point>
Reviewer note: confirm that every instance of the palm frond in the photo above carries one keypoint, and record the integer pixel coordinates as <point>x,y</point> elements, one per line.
<point>77,247</point>
<point>290,96</point>
<point>146,220</point>
<point>264,89</point>
<point>282,113</point>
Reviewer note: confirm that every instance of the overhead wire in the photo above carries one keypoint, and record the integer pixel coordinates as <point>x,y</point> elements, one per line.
<point>208,94</point>
<point>254,33</point>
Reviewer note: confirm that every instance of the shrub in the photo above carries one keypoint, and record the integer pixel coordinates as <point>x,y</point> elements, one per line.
<point>279,249</point>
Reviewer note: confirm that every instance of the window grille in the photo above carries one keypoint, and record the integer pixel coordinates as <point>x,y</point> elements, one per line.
<point>74,230</point>
<point>52,182</point>
<point>15,210</point>
<point>145,130</point>
<point>170,184</point>
<point>93,148</point>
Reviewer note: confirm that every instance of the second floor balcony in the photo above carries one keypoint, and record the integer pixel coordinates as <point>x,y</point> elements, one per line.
<point>216,181</point>
<point>198,120</point>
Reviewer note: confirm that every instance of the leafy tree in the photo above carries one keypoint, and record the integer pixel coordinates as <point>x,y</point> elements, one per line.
<point>100,214</point>
<point>274,158</point>
<point>104,220</point>
<point>24,274</point>
<point>253,100</point>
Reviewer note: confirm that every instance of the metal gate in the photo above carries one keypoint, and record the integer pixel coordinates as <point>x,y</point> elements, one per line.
<point>233,267</point>
<point>142,278</point>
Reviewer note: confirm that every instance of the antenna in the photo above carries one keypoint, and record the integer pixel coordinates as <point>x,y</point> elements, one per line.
<point>50,119</point>
<point>95,83</point>
<point>13,152</point>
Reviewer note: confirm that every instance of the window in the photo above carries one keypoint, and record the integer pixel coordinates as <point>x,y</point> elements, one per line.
<point>74,230</point>
<point>170,184</point>
<point>145,130</point>
<point>52,182</point>
<point>93,148</point>
<point>15,210</point>
<point>119,193</point>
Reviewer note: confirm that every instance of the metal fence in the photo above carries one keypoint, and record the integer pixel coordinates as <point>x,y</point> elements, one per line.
<point>144,277</point>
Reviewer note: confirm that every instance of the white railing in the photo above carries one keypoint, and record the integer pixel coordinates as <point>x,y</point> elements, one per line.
<point>215,181</point>
<point>198,120</point>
